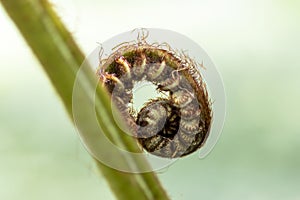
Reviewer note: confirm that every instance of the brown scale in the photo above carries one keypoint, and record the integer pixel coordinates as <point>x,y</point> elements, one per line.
<point>156,71</point>
<point>123,93</point>
<point>167,121</point>
<point>182,98</point>
<point>173,126</point>
<point>190,126</point>
<point>139,66</point>
<point>191,111</point>
<point>184,138</point>
<point>170,83</point>
<point>154,144</point>
<point>199,138</point>
<point>152,118</point>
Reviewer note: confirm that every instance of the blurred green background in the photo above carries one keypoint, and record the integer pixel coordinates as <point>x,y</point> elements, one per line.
<point>256,47</point>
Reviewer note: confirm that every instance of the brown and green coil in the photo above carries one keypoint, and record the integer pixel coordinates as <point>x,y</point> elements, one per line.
<point>171,126</point>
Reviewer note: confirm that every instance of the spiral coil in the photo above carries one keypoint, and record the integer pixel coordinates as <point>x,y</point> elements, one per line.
<point>171,126</point>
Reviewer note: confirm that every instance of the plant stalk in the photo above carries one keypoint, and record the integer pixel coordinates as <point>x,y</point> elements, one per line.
<point>61,58</point>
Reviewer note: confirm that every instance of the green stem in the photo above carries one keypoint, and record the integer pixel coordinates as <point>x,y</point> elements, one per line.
<point>61,58</point>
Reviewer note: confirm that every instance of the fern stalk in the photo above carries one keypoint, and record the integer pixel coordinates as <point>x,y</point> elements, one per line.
<point>61,58</point>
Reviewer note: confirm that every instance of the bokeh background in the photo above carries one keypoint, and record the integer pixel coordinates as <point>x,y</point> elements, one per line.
<point>256,47</point>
